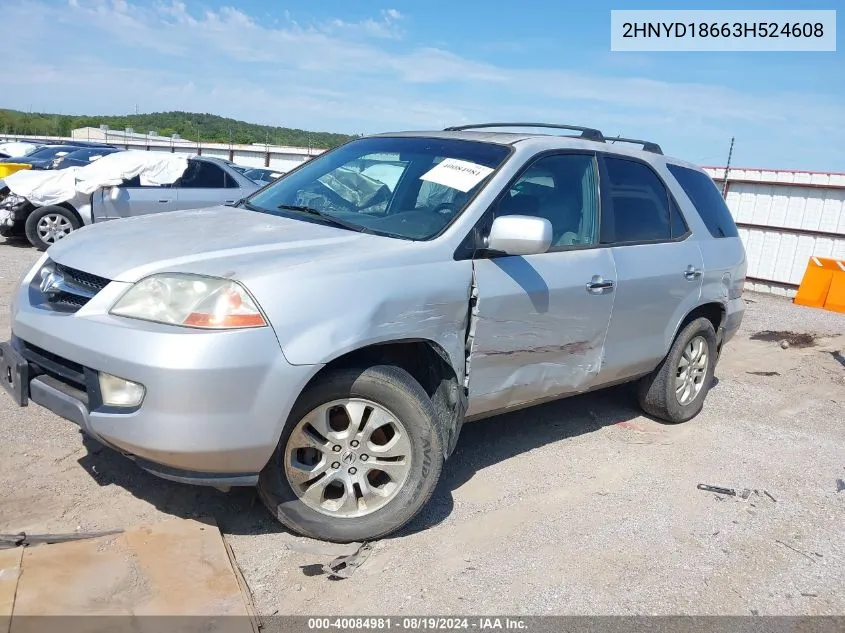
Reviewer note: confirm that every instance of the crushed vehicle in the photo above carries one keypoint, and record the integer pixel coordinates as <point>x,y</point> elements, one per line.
<point>46,206</point>
<point>326,338</point>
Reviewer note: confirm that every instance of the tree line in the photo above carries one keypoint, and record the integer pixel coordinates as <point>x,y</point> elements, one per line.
<point>189,125</point>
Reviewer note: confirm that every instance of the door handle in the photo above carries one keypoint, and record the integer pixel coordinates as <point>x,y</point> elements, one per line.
<point>230,202</point>
<point>597,284</point>
<point>692,273</point>
<point>163,201</point>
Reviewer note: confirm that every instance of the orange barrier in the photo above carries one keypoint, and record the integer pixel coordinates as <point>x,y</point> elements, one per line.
<point>823,285</point>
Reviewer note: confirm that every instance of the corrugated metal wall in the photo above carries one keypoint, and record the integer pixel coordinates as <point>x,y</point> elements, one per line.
<point>784,218</point>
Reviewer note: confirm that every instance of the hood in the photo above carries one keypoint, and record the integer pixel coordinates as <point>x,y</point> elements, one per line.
<point>219,241</point>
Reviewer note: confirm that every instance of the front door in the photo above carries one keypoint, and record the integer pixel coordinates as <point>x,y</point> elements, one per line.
<point>542,319</point>
<point>131,199</point>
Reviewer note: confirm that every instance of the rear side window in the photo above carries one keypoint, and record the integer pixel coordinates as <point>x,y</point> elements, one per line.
<point>707,200</point>
<point>202,175</point>
<point>639,204</point>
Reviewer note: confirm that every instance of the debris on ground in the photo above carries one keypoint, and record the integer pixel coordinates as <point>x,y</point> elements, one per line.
<point>741,494</point>
<point>766,492</point>
<point>785,338</point>
<point>763,373</point>
<point>22,539</point>
<point>797,551</point>
<point>840,485</point>
<point>345,566</point>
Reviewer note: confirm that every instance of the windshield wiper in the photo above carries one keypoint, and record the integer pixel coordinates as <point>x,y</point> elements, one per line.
<point>327,218</point>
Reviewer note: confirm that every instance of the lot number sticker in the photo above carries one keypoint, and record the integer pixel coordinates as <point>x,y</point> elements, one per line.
<point>457,174</point>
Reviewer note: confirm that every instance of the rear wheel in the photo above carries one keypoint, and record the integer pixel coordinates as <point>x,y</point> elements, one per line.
<point>676,390</point>
<point>47,225</point>
<point>359,456</point>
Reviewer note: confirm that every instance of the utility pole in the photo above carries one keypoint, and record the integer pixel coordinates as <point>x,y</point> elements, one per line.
<point>727,170</point>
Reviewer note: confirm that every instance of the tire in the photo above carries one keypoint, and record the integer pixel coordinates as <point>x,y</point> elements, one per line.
<point>385,388</point>
<point>658,391</point>
<point>47,225</point>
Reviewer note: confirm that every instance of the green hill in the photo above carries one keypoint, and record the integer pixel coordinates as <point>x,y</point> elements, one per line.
<point>190,125</point>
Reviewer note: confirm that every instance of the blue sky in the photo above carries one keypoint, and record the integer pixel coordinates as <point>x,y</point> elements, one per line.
<point>395,64</point>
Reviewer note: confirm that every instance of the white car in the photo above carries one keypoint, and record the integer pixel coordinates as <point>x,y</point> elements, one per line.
<point>16,149</point>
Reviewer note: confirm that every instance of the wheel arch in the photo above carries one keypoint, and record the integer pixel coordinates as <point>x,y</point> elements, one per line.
<point>72,209</point>
<point>428,363</point>
<point>713,311</point>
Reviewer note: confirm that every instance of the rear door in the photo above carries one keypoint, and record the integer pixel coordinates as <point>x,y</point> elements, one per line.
<point>130,199</point>
<point>205,184</point>
<point>659,267</point>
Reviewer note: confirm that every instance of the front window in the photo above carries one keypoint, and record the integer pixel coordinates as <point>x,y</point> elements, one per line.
<point>404,187</point>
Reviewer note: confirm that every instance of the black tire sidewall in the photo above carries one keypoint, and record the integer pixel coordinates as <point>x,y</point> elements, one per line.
<point>700,327</point>
<point>31,224</point>
<point>399,393</point>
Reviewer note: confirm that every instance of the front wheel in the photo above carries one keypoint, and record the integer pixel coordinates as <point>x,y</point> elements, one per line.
<point>359,456</point>
<point>676,390</point>
<point>47,225</point>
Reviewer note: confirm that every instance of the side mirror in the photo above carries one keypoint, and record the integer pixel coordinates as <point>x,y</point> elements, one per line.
<point>520,235</point>
<point>114,193</point>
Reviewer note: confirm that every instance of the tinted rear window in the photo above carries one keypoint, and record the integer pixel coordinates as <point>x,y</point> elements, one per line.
<point>707,200</point>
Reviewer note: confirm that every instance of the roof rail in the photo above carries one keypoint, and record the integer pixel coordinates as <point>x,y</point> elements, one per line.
<point>648,146</point>
<point>588,133</point>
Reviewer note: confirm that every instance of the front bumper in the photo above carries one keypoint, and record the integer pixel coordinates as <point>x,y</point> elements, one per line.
<point>215,402</point>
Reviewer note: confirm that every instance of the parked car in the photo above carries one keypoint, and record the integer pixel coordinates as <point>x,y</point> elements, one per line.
<point>326,338</point>
<point>206,181</point>
<point>15,149</point>
<point>43,156</point>
<point>81,157</point>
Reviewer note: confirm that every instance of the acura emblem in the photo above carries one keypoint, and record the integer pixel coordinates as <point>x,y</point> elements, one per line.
<point>51,281</point>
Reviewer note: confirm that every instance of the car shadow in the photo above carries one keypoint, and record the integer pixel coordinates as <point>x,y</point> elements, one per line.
<point>16,242</point>
<point>492,440</point>
<point>481,444</point>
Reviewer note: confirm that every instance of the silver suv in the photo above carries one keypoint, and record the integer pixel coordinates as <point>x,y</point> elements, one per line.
<point>326,338</point>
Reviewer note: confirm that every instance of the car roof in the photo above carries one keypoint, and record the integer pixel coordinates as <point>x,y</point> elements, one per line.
<point>544,141</point>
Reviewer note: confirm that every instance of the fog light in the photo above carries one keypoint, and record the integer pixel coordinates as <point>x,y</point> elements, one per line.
<point>118,392</point>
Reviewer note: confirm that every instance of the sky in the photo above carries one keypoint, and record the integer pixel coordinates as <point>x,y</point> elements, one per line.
<point>366,67</point>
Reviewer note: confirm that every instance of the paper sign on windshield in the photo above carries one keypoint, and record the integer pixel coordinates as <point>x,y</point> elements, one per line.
<point>457,174</point>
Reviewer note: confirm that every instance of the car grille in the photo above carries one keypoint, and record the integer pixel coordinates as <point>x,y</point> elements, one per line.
<point>76,287</point>
<point>81,278</point>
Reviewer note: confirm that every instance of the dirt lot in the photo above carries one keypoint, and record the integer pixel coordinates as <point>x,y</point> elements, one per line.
<point>578,507</point>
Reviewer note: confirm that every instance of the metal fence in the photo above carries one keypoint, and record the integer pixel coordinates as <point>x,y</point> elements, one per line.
<point>784,219</point>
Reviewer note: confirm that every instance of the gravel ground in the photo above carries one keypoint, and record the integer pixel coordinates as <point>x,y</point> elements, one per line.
<point>577,507</point>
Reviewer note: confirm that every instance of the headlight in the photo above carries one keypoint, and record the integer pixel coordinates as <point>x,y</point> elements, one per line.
<point>191,301</point>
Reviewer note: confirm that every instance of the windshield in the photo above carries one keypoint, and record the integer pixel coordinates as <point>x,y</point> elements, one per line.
<point>49,152</point>
<point>404,187</point>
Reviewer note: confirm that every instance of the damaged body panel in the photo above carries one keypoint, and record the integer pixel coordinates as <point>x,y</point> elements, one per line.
<point>539,333</point>
<point>327,337</point>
